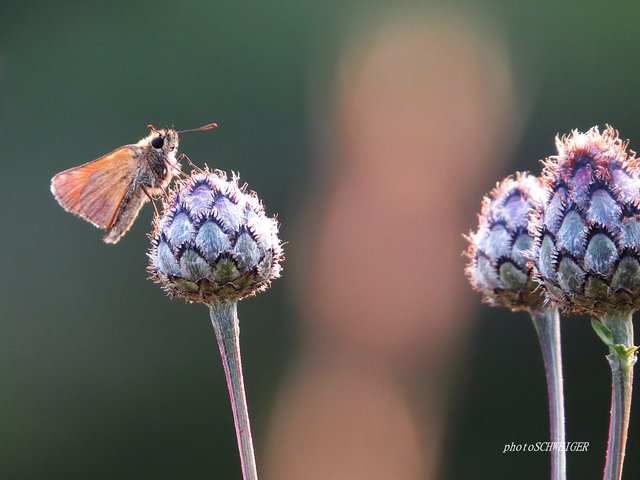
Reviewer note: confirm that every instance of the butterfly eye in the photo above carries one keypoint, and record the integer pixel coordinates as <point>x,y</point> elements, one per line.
<point>157,142</point>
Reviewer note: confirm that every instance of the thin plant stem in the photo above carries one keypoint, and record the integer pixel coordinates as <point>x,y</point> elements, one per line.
<point>547,324</point>
<point>224,317</point>
<point>621,361</point>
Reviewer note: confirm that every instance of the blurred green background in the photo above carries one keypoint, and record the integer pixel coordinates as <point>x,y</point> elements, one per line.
<point>102,376</point>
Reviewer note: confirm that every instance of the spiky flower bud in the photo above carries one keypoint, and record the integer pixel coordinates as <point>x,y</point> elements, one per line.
<point>497,265</point>
<point>587,228</point>
<point>213,241</point>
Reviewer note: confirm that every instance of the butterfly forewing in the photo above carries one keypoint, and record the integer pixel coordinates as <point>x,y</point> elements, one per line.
<point>95,190</point>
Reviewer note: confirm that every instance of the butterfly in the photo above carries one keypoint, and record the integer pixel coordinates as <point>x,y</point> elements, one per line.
<point>110,191</point>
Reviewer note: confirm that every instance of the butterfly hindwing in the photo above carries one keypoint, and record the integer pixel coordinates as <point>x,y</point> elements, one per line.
<point>126,214</point>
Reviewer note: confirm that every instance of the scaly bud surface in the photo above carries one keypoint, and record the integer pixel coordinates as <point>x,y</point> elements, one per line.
<point>587,227</point>
<point>213,241</point>
<point>497,265</point>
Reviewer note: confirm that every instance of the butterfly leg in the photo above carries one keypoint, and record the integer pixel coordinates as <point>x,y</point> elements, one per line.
<point>183,156</point>
<point>146,192</point>
<point>177,169</point>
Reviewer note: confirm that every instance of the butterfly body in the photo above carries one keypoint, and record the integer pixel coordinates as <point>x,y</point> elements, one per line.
<point>110,191</point>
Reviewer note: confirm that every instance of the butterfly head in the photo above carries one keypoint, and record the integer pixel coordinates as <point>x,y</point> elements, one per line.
<point>164,141</point>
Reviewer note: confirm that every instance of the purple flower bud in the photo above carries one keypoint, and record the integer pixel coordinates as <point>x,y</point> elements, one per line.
<point>587,227</point>
<point>213,241</point>
<point>497,265</point>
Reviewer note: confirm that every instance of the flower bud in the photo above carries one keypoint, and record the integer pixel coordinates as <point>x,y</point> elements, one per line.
<point>213,241</point>
<point>587,228</point>
<point>497,265</point>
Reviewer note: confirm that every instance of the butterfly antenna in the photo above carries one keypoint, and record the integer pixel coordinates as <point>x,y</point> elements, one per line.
<point>209,126</point>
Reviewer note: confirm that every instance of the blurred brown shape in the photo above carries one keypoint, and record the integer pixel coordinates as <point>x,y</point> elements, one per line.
<point>422,110</point>
<point>339,420</point>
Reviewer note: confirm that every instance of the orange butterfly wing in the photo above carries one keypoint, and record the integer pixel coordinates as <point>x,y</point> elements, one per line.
<point>95,190</point>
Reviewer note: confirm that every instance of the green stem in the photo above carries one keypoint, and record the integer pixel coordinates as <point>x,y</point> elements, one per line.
<point>547,324</point>
<point>224,317</point>
<point>621,361</point>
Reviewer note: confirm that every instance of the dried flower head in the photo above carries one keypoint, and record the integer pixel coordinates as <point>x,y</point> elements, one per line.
<point>587,228</point>
<point>213,240</point>
<point>497,266</point>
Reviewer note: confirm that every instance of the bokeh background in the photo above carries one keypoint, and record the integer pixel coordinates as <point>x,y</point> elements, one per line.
<point>372,129</point>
